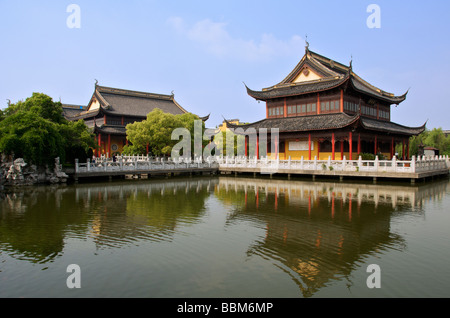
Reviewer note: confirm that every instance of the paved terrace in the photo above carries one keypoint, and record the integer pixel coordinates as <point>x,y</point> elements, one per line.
<point>414,169</point>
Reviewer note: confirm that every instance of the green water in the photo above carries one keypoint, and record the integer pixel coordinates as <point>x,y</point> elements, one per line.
<point>226,237</point>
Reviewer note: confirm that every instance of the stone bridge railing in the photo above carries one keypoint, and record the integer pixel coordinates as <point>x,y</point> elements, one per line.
<point>145,163</point>
<point>140,163</point>
<point>415,165</point>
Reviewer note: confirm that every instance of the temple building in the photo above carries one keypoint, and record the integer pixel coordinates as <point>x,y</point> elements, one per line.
<point>111,109</point>
<point>323,109</point>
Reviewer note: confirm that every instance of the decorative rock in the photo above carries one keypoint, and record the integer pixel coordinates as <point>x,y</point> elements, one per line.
<point>18,174</point>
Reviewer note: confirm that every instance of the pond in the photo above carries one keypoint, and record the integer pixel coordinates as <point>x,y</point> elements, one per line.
<point>226,237</point>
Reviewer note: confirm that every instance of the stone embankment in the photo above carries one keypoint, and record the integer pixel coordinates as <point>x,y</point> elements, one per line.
<point>19,173</point>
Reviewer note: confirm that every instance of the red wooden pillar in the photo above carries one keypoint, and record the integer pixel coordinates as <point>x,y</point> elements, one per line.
<point>341,108</point>
<point>99,145</point>
<point>257,147</point>
<point>309,146</point>
<point>146,148</point>
<point>342,149</point>
<point>332,147</point>
<point>285,108</point>
<point>350,145</point>
<point>109,146</point>
<point>375,146</point>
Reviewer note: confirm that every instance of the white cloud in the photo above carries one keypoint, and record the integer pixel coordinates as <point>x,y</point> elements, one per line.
<point>218,41</point>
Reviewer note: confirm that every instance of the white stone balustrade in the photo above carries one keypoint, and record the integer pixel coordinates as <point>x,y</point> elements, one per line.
<point>265,165</point>
<point>419,164</point>
<point>140,163</point>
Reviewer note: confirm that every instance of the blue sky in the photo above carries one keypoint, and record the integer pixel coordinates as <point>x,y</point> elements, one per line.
<point>203,51</point>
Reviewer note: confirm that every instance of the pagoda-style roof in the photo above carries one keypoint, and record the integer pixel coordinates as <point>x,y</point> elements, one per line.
<point>301,123</point>
<point>110,130</point>
<point>390,127</point>
<point>122,102</point>
<point>331,121</point>
<point>70,110</point>
<point>316,73</point>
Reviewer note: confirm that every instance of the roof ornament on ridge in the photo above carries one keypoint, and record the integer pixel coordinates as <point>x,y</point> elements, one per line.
<point>306,45</point>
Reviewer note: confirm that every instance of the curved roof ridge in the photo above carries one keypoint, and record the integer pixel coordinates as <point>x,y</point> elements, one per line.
<point>378,93</point>
<point>369,123</point>
<point>296,89</point>
<point>309,58</point>
<point>303,123</point>
<point>127,92</point>
<point>331,70</point>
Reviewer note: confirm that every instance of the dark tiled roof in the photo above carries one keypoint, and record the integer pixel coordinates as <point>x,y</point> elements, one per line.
<point>85,114</point>
<point>328,122</point>
<point>70,110</point>
<point>302,123</point>
<point>123,102</point>
<point>111,130</point>
<point>298,89</point>
<point>364,87</point>
<point>138,104</point>
<point>321,64</point>
<point>334,74</point>
<point>390,127</point>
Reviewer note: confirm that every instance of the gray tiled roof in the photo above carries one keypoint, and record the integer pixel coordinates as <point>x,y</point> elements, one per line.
<point>123,102</point>
<point>334,74</point>
<point>302,123</point>
<point>70,110</point>
<point>364,87</point>
<point>390,127</point>
<point>138,104</point>
<point>111,130</point>
<point>328,122</point>
<point>293,90</point>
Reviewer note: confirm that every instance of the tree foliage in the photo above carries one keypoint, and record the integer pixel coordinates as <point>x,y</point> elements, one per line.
<point>36,130</point>
<point>156,132</point>
<point>431,138</point>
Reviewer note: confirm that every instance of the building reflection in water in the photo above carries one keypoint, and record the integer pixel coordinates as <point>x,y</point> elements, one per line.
<point>318,232</point>
<point>315,232</point>
<point>36,222</point>
<point>147,211</point>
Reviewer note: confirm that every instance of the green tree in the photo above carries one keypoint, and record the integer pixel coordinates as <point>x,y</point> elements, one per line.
<point>432,138</point>
<point>36,130</point>
<point>40,105</point>
<point>156,132</point>
<point>79,141</point>
<point>31,137</point>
